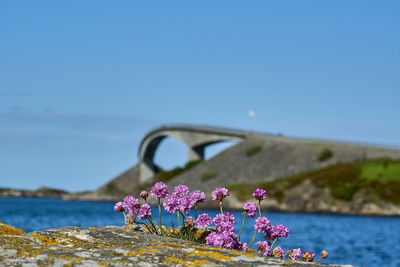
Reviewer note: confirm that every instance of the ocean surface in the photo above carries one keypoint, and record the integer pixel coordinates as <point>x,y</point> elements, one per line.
<point>361,241</point>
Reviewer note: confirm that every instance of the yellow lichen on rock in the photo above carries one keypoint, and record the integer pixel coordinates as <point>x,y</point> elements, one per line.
<point>211,255</point>
<point>187,263</point>
<point>239,253</point>
<point>209,248</point>
<point>6,229</point>
<point>45,240</point>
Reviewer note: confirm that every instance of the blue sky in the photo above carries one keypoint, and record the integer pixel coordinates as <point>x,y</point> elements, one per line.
<point>81,82</point>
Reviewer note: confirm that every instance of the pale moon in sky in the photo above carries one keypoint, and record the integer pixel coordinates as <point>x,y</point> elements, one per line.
<point>252,113</point>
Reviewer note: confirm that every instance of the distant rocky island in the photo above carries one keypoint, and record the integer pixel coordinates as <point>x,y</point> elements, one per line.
<point>42,192</point>
<point>299,176</point>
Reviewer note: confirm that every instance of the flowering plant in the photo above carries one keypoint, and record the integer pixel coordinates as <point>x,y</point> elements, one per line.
<point>180,202</point>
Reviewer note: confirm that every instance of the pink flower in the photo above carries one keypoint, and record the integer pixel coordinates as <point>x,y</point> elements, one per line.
<point>219,193</point>
<point>144,212</point>
<point>263,247</point>
<point>119,207</point>
<point>295,254</point>
<point>131,204</point>
<point>185,204</point>
<point>224,222</point>
<point>250,209</point>
<point>277,231</point>
<point>260,194</point>
<point>180,190</point>
<point>224,240</point>
<point>243,246</point>
<point>203,221</point>
<point>197,197</point>
<point>171,203</point>
<point>262,224</point>
<point>159,190</point>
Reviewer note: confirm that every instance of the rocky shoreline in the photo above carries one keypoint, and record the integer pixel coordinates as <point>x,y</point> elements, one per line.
<point>118,246</point>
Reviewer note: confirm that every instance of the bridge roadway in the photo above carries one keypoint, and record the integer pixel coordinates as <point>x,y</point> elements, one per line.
<point>196,138</point>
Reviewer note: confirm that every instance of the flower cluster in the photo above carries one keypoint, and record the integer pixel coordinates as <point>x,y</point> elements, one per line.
<point>262,225</point>
<point>159,190</point>
<point>275,232</point>
<point>181,201</point>
<point>295,254</point>
<point>259,194</point>
<point>250,209</point>
<point>134,209</point>
<point>264,247</point>
<point>203,221</point>
<point>219,193</point>
<point>225,236</point>
<point>197,197</point>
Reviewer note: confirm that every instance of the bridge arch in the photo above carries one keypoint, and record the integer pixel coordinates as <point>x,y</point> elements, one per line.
<point>196,138</point>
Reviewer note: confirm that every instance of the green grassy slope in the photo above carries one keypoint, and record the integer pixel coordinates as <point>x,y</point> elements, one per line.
<point>372,180</point>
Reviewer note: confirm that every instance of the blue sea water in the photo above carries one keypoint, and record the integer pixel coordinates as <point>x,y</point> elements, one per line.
<point>361,241</point>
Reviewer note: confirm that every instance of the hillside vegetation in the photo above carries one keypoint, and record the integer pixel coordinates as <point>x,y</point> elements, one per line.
<point>299,176</point>
<point>373,179</point>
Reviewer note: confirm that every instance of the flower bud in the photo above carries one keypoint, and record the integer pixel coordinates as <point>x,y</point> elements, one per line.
<point>324,254</point>
<point>119,207</point>
<point>308,256</point>
<point>189,221</point>
<point>144,195</point>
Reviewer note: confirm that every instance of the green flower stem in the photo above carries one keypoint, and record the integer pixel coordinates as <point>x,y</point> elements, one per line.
<point>254,237</point>
<point>195,211</point>
<point>159,211</point>
<point>151,221</point>
<point>179,220</point>
<point>259,207</point>
<point>159,214</point>
<point>287,252</point>
<point>241,228</point>
<point>150,231</point>
<point>220,206</point>
<point>183,218</point>
<point>273,243</point>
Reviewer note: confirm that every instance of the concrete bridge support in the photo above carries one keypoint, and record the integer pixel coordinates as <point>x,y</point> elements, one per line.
<point>196,153</point>
<point>195,138</point>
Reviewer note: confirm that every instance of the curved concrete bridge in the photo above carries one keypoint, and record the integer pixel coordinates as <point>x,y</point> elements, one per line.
<point>196,138</point>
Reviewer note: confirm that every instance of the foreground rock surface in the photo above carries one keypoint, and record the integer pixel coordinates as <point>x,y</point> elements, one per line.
<point>117,246</point>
